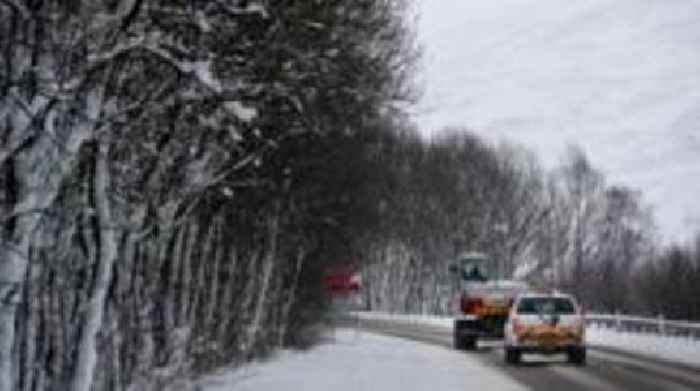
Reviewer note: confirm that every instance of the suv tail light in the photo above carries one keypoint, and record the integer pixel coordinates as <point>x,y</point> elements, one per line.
<point>518,326</point>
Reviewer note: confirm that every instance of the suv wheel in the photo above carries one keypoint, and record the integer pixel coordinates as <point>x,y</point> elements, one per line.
<point>577,356</point>
<point>464,343</point>
<point>512,355</point>
<point>470,343</point>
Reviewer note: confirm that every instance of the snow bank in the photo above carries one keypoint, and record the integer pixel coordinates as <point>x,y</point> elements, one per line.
<point>671,348</point>
<point>417,320</point>
<point>357,361</point>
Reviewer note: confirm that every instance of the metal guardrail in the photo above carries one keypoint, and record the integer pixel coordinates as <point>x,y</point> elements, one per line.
<point>619,322</point>
<point>658,325</point>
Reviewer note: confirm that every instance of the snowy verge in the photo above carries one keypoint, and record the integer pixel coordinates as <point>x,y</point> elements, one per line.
<point>357,361</point>
<point>406,319</point>
<point>669,348</point>
<point>665,347</point>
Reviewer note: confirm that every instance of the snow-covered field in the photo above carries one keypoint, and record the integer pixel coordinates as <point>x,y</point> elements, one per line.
<point>357,361</point>
<point>676,349</point>
<point>670,348</point>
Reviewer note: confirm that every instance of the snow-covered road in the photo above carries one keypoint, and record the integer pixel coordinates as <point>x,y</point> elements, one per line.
<point>606,370</point>
<point>358,361</point>
<point>409,357</point>
<point>674,349</point>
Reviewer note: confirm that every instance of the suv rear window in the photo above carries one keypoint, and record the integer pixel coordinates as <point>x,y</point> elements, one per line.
<point>547,305</point>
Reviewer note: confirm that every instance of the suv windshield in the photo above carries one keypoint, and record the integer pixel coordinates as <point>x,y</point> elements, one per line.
<point>547,305</point>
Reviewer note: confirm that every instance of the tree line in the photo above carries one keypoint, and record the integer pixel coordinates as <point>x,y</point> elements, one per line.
<point>174,178</point>
<point>564,228</point>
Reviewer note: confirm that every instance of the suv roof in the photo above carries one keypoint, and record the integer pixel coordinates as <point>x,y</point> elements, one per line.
<point>546,295</point>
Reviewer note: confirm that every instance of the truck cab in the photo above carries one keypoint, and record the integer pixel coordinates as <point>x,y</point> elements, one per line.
<point>483,301</point>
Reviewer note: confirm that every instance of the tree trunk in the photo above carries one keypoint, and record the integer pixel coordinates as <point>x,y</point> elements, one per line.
<point>186,273</point>
<point>13,269</point>
<point>213,300</point>
<point>291,296</point>
<point>199,288</point>
<point>170,294</point>
<point>228,296</point>
<point>30,322</point>
<point>35,179</point>
<point>87,356</point>
<point>268,267</point>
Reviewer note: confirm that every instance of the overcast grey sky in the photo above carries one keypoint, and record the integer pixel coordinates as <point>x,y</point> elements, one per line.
<point>621,78</point>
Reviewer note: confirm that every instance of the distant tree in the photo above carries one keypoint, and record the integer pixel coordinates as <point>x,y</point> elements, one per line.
<point>579,189</point>
<point>625,236</point>
<point>668,285</point>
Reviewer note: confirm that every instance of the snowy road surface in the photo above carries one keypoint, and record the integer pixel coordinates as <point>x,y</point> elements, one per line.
<point>408,358</point>
<point>606,370</point>
<point>672,348</point>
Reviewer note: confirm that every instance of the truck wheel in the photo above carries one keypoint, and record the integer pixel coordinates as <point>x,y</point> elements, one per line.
<point>577,356</point>
<point>464,343</point>
<point>457,342</point>
<point>469,343</point>
<point>512,355</point>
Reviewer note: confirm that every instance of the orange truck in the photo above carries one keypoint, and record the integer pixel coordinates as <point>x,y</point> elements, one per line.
<point>483,302</point>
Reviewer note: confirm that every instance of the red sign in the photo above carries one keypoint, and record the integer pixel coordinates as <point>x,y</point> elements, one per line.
<point>343,280</point>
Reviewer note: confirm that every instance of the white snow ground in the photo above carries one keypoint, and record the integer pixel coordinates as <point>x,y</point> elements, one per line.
<point>675,349</point>
<point>358,361</point>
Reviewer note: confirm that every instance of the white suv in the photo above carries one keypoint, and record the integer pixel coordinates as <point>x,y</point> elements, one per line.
<point>546,324</point>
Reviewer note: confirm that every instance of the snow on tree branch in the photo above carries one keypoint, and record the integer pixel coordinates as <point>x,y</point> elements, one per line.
<point>253,8</point>
<point>244,113</point>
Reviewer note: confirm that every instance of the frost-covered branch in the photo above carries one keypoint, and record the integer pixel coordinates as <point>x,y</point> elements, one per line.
<point>200,69</point>
<point>252,8</point>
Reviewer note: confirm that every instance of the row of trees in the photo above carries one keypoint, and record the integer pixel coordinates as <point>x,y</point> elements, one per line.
<point>171,181</point>
<point>441,198</point>
<point>564,228</point>
<point>669,284</point>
